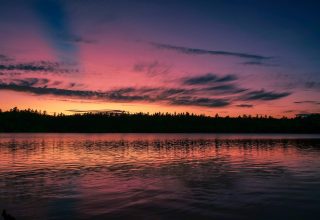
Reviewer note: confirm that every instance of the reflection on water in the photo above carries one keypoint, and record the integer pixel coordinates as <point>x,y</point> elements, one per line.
<point>160,176</point>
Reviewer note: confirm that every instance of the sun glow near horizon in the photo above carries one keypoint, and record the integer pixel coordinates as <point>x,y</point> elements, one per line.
<point>128,56</point>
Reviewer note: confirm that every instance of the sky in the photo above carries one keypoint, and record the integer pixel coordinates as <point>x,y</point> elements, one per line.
<point>230,57</point>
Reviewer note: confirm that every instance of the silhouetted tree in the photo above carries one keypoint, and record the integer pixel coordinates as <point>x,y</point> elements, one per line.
<point>29,120</point>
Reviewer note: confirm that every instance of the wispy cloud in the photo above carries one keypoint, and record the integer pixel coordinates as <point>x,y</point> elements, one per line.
<point>41,66</point>
<point>289,111</point>
<point>264,95</point>
<point>112,111</point>
<point>225,89</point>
<point>29,82</point>
<point>171,96</point>
<point>312,85</point>
<point>208,78</point>
<point>307,102</point>
<point>245,106</point>
<point>5,58</point>
<point>127,94</point>
<point>259,63</point>
<point>26,67</point>
<point>197,51</point>
<point>152,68</point>
<point>20,87</point>
<point>10,73</point>
<point>174,92</point>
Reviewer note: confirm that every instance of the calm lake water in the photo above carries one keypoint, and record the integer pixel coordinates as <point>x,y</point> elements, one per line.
<point>160,176</point>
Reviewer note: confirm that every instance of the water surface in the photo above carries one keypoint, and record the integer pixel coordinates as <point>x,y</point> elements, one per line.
<point>160,176</point>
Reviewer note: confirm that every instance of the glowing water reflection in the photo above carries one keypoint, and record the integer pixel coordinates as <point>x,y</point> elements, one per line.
<point>160,176</point>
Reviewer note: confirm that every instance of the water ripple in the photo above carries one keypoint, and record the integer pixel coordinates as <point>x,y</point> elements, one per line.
<point>158,176</point>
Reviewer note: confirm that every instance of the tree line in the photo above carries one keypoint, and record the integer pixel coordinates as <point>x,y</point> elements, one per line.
<point>29,120</point>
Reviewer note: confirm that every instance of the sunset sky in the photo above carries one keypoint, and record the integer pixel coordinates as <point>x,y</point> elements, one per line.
<point>229,57</point>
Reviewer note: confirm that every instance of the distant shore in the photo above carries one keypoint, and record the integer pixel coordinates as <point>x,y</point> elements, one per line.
<point>17,120</point>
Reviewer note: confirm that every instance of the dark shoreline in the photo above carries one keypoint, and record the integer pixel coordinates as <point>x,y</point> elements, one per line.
<point>29,121</point>
<point>132,132</point>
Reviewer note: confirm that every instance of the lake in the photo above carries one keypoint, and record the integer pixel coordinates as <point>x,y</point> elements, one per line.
<point>160,176</point>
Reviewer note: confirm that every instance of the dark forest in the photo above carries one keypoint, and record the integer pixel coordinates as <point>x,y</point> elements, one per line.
<point>16,120</point>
